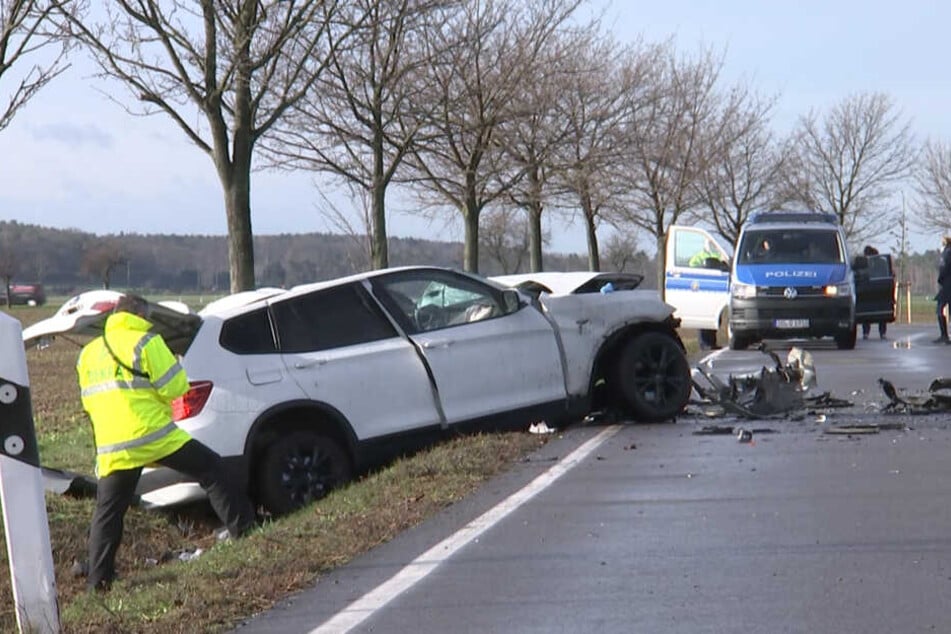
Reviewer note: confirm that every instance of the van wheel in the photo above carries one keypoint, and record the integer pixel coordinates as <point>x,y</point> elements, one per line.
<point>653,377</point>
<point>845,340</point>
<point>299,468</point>
<point>737,341</point>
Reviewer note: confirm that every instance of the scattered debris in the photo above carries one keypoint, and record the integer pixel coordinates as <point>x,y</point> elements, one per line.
<point>540,428</point>
<point>937,399</point>
<point>714,430</point>
<point>850,430</point>
<point>744,435</point>
<point>770,391</point>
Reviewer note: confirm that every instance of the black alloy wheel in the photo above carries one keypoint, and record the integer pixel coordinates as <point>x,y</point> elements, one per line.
<point>298,469</point>
<point>653,377</point>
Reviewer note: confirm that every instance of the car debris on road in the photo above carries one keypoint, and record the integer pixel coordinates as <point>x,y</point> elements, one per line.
<point>777,389</point>
<point>937,398</point>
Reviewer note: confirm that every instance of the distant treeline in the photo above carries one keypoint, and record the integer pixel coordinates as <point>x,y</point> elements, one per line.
<point>68,260</point>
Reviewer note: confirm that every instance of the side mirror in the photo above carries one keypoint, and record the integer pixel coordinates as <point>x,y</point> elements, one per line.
<point>512,300</point>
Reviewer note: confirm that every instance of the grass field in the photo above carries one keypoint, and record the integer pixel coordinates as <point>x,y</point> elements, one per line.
<point>158,592</point>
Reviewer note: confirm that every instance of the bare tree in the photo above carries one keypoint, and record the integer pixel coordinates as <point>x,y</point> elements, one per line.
<point>933,183</point>
<point>592,102</point>
<point>533,136</point>
<point>358,123</point>
<point>505,238</point>
<point>743,170</point>
<point>102,257</point>
<point>32,51</point>
<point>224,72</point>
<point>487,53</point>
<point>665,126</point>
<point>850,162</point>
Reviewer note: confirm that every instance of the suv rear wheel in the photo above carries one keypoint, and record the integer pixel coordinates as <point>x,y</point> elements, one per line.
<point>299,468</point>
<point>653,377</point>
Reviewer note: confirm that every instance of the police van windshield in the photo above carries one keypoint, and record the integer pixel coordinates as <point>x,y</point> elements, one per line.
<point>790,246</point>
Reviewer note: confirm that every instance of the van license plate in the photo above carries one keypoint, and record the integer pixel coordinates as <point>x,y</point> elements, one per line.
<point>792,323</point>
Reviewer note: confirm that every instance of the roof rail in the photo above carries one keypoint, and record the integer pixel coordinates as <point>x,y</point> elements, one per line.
<point>792,216</point>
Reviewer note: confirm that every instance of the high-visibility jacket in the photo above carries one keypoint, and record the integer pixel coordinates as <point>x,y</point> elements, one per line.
<point>128,392</point>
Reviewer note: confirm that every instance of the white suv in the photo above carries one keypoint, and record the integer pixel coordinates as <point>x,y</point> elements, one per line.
<point>299,389</point>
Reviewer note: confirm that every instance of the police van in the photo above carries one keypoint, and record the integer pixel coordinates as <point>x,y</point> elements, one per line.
<point>789,277</point>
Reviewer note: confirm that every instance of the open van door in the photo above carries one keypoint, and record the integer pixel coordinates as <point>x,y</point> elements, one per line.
<point>697,278</point>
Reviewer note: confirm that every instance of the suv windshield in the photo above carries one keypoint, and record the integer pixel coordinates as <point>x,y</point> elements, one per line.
<point>790,246</point>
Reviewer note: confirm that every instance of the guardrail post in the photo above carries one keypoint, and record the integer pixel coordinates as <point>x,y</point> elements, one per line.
<point>21,492</point>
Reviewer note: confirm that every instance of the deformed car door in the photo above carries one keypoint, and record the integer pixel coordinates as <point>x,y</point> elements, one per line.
<point>342,350</point>
<point>486,357</point>
<point>697,287</point>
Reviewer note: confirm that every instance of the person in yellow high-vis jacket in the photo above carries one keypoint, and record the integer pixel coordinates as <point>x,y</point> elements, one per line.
<point>128,379</point>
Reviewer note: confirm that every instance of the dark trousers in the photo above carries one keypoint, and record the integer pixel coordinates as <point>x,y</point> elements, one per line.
<point>116,491</point>
<point>942,320</point>
<point>867,327</point>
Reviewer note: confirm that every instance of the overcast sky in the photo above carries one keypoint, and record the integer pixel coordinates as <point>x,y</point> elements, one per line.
<point>74,159</point>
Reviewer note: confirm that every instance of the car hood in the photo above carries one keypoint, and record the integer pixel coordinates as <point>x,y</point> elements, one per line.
<point>791,274</point>
<point>85,316</point>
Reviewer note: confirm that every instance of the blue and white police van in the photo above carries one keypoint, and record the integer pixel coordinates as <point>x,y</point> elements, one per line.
<point>789,277</point>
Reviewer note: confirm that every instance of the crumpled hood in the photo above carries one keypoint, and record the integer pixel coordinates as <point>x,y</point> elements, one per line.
<point>791,274</point>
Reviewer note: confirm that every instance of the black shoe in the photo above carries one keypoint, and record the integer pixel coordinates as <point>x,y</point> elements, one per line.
<point>942,340</point>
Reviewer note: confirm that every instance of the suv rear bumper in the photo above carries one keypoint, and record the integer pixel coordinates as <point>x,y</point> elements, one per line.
<point>775,317</point>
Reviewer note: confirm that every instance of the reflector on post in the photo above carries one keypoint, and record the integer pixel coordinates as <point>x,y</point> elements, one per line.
<point>21,491</point>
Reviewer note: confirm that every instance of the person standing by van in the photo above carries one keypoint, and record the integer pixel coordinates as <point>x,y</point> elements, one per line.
<point>943,298</point>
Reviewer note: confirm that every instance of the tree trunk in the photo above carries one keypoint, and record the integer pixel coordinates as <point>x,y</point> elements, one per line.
<point>240,242</point>
<point>535,220</point>
<point>594,257</point>
<point>470,249</point>
<point>379,257</point>
<point>535,236</point>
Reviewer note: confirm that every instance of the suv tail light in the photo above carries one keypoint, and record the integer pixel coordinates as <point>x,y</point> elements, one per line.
<point>193,401</point>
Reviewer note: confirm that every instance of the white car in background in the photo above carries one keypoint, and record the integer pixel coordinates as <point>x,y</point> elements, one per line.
<point>300,389</point>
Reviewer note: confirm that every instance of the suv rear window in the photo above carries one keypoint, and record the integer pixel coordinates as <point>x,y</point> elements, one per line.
<point>799,246</point>
<point>249,333</point>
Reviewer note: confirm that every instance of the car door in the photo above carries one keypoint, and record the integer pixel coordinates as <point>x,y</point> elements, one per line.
<point>698,288</point>
<point>874,288</point>
<point>486,357</point>
<point>342,350</point>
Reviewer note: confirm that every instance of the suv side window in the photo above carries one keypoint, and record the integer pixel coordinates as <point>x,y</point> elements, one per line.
<point>332,318</point>
<point>430,300</point>
<point>249,333</point>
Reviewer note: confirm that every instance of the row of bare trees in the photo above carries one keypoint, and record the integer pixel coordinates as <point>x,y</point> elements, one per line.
<point>495,112</point>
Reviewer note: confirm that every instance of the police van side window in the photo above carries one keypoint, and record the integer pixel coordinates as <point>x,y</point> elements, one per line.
<point>686,245</point>
<point>332,318</point>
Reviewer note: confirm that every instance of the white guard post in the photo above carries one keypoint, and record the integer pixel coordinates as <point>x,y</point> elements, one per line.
<point>21,492</point>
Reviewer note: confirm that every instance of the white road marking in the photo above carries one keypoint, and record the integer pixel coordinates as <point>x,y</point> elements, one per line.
<point>417,570</point>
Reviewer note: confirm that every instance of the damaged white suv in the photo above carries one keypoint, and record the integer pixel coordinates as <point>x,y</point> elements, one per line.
<point>299,389</point>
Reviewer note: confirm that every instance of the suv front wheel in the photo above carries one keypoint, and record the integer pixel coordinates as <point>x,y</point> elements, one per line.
<point>653,377</point>
<point>299,468</point>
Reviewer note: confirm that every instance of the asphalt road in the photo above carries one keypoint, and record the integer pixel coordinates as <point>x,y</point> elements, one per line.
<point>661,529</point>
